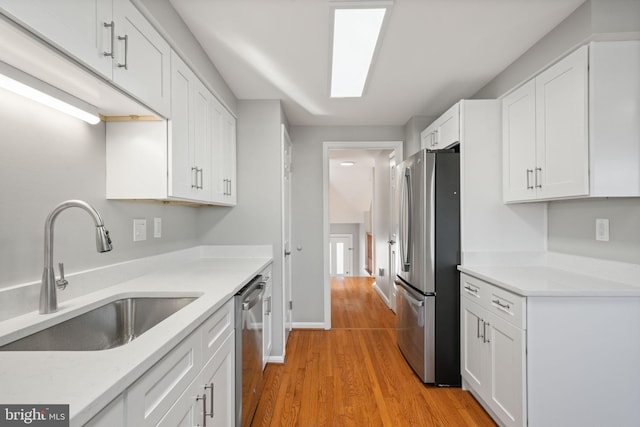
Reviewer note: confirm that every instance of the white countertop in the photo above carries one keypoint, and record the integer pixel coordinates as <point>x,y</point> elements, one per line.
<point>557,275</point>
<point>89,380</point>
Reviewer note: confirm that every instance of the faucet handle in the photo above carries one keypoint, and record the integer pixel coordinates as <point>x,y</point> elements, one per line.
<point>61,283</point>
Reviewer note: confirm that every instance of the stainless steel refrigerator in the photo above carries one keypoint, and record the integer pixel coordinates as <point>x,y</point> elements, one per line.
<point>427,282</point>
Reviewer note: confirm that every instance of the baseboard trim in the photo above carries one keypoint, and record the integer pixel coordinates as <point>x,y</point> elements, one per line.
<point>382,295</point>
<point>308,325</point>
<point>276,359</point>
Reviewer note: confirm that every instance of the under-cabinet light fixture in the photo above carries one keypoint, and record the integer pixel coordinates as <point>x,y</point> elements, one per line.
<point>356,29</point>
<point>23,84</point>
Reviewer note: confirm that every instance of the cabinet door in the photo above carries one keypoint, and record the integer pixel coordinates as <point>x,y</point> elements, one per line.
<point>142,58</point>
<point>562,152</point>
<point>76,27</point>
<point>223,154</point>
<point>472,346</point>
<point>209,398</point>
<point>519,143</point>
<point>202,141</point>
<point>507,368</point>
<point>448,132</point>
<point>229,156</point>
<point>182,174</point>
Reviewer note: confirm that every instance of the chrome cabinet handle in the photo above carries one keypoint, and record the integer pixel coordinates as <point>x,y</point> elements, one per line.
<point>230,188</point>
<point>126,51</point>
<point>199,172</point>
<point>211,390</point>
<point>112,26</point>
<point>485,339</point>
<point>204,408</point>
<point>194,177</point>
<point>478,320</point>
<point>536,178</point>
<point>529,186</point>
<point>499,304</point>
<point>472,290</point>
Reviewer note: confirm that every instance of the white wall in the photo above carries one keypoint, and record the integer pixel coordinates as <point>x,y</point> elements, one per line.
<point>307,209</point>
<point>256,220</point>
<point>571,224</point>
<point>48,157</point>
<point>382,222</point>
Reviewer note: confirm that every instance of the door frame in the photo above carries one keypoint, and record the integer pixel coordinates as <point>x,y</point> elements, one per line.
<point>287,288</point>
<point>333,145</point>
<point>350,238</point>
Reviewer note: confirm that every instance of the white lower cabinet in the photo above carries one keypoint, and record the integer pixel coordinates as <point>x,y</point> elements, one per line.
<point>208,401</point>
<point>493,349</point>
<point>192,385</point>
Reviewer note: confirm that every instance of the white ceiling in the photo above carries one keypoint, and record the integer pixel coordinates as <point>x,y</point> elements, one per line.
<point>431,54</point>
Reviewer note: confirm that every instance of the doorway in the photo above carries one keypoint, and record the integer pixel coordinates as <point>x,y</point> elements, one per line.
<point>341,255</point>
<point>376,214</point>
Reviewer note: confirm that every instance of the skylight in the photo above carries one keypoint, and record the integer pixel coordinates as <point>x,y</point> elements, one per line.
<point>355,36</point>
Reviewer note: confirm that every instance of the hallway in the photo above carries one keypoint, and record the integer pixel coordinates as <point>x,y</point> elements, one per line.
<point>354,374</point>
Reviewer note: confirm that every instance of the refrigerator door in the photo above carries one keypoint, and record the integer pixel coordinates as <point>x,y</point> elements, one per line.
<point>417,222</point>
<point>415,330</point>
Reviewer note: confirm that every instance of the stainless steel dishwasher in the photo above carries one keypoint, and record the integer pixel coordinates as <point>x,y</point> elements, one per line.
<point>248,330</point>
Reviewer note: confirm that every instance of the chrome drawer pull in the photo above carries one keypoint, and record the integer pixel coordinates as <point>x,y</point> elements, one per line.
<point>472,290</point>
<point>499,304</point>
<point>112,26</point>
<point>210,387</point>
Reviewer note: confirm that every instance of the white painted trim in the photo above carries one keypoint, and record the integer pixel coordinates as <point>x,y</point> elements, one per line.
<point>385,299</point>
<point>332,145</point>
<point>309,325</point>
<point>276,359</point>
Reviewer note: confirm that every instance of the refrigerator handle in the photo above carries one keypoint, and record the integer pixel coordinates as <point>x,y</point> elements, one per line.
<point>405,215</point>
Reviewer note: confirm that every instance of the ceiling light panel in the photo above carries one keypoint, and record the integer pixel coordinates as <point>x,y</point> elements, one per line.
<point>355,36</point>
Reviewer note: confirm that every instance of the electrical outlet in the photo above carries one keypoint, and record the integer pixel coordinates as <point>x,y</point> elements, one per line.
<point>139,230</point>
<point>602,229</point>
<point>157,228</point>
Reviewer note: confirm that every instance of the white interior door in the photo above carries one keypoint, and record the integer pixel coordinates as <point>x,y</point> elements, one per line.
<point>341,254</point>
<point>286,231</point>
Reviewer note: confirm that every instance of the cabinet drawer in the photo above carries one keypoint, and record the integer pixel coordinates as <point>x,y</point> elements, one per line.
<point>502,303</point>
<point>153,394</point>
<point>216,329</point>
<point>507,305</point>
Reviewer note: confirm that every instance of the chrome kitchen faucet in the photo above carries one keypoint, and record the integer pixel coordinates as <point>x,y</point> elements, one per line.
<point>48,296</point>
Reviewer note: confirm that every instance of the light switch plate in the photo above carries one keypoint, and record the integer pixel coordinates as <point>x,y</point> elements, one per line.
<point>157,227</point>
<point>602,229</point>
<point>139,230</point>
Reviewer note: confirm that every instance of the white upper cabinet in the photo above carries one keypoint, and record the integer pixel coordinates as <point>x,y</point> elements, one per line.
<point>519,136</point>
<point>81,28</point>
<point>444,132</point>
<point>111,37</point>
<point>189,158</point>
<point>142,58</point>
<point>572,130</point>
<point>224,155</point>
<point>190,173</point>
<point>562,149</point>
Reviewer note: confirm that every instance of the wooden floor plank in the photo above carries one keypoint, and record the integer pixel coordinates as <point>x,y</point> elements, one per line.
<point>354,375</point>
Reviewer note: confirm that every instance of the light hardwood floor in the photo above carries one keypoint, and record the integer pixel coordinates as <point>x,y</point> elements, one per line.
<point>354,374</point>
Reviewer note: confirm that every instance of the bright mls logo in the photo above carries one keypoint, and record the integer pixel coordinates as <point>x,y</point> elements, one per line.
<point>34,415</point>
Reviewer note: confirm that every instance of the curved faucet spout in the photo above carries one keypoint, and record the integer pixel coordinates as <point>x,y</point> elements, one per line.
<point>48,296</point>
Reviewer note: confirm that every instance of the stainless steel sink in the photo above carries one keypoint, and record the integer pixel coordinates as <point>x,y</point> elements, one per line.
<point>109,326</point>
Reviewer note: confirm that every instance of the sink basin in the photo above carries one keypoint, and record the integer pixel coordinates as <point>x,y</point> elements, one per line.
<point>109,326</point>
